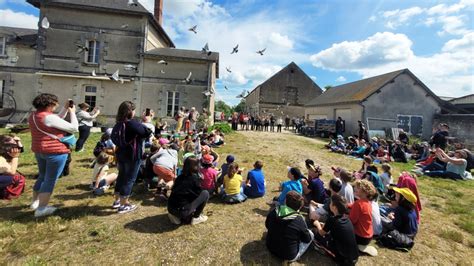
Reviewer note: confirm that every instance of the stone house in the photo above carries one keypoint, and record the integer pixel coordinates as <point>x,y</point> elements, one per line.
<point>87,41</point>
<point>395,99</point>
<point>285,93</point>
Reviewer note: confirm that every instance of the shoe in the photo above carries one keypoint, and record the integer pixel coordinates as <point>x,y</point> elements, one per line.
<point>34,205</point>
<point>369,250</point>
<point>116,204</point>
<point>174,219</point>
<point>127,208</point>
<point>417,172</point>
<point>48,210</point>
<point>198,220</point>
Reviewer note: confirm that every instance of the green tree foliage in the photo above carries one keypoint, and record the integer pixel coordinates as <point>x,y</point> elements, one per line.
<point>221,106</point>
<point>327,87</point>
<point>240,107</point>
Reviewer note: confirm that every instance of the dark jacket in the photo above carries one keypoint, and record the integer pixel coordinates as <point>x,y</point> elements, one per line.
<point>286,229</point>
<point>137,131</point>
<point>185,190</point>
<point>439,139</point>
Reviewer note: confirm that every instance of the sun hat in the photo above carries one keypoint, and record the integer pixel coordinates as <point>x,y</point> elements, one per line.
<point>406,193</point>
<point>163,141</point>
<point>207,159</point>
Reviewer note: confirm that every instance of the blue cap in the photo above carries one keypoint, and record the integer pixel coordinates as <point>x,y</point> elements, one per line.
<point>230,159</point>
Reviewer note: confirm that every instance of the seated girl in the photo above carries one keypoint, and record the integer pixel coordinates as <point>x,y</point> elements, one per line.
<point>360,150</point>
<point>408,181</point>
<point>209,174</point>
<point>400,226</point>
<point>12,183</point>
<point>386,176</point>
<point>101,179</point>
<point>337,234</point>
<point>455,166</point>
<point>367,165</point>
<point>313,187</point>
<point>233,191</point>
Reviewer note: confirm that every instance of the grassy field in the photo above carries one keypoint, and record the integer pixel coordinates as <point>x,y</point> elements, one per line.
<point>86,231</point>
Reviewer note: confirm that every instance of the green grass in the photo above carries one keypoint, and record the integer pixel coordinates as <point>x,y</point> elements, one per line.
<point>86,231</point>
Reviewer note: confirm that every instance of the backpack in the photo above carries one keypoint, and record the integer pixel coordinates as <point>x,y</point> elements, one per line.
<point>14,188</point>
<point>118,138</point>
<point>396,240</point>
<point>99,147</point>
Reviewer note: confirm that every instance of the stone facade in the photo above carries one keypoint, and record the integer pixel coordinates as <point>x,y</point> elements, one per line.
<point>121,35</point>
<point>285,93</point>
<point>461,127</point>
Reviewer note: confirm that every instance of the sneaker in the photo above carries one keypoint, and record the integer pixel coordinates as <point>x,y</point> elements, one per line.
<point>174,219</point>
<point>48,210</point>
<point>34,205</point>
<point>369,250</point>
<point>198,220</point>
<point>116,204</point>
<point>127,208</point>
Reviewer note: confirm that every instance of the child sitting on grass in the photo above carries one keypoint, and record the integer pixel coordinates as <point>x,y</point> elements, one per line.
<point>346,190</point>
<point>313,188</point>
<point>321,212</point>
<point>209,174</point>
<point>255,184</point>
<point>361,212</point>
<point>233,191</point>
<point>294,174</point>
<point>337,234</point>
<point>101,179</point>
<point>288,236</point>
<point>386,176</point>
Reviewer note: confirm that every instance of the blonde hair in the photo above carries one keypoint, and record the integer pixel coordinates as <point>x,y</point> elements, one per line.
<point>366,187</point>
<point>387,168</point>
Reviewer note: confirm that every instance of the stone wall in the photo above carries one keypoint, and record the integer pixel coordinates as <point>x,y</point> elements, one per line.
<point>460,126</point>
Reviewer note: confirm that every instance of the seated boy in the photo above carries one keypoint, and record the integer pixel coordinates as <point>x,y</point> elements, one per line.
<point>288,235</point>
<point>321,212</point>
<point>255,184</point>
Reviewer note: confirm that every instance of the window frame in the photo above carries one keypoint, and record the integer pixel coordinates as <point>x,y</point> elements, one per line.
<point>2,92</point>
<point>175,95</point>
<point>3,45</point>
<point>90,94</point>
<point>95,52</point>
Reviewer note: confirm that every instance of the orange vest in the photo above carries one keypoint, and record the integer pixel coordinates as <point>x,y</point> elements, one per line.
<point>42,143</point>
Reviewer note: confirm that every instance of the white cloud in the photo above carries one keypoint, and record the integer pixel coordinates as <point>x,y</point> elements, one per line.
<point>11,18</point>
<point>399,17</point>
<point>448,72</point>
<point>378,49</point>
<point>314,78</point>
<point>279,40</point>
<point>372,18</point>
<point>341,79</point>
<point>452,25</point>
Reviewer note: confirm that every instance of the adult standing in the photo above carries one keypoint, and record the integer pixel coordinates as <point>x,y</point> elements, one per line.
<point>193,117</point>
<point>363,131</point>
<point>180,118</point>
<point>188,199</point>
<point>51,154</point>
<point>128,135</point>
<point>85,120</point>
<point>279,123</point>
<point>340,126</point>
<point>287,122</point>
<point>440,137</point>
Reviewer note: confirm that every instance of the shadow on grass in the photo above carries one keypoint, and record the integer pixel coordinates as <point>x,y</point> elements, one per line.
<point>85,187</point>
<point>22,214</point>
<point>152,224</point>
<point>261,212</point>
<point>84,195</point>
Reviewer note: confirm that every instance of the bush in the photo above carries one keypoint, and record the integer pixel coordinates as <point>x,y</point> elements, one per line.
<point>223,127</point>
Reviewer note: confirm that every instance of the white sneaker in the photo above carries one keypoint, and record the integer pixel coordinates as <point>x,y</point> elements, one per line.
<point>174,219</point>
<point>48,210</point>
<point>370,250</point>
<point>34,205</point>
<point>200,219</point>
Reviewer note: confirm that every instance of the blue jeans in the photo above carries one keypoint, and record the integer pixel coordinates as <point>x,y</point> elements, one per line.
<point>127,174</point>
<point>434,167</point>
<point>443,174</point>
<point>50,167</point>
<point>302,247</point>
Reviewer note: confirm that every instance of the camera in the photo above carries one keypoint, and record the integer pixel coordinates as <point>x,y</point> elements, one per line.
<point>147,112</point>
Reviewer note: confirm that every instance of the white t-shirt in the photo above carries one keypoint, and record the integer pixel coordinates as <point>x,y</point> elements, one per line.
<point>376,220</point>
<point>347,192</point>
<point>386,180</point>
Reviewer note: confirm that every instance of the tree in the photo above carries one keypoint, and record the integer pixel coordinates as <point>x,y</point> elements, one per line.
<point>240,107</point>
<point>221,106</point>
<point>327,87</point>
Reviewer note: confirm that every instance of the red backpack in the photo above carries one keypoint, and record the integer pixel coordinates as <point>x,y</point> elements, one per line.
<point>12,189</point>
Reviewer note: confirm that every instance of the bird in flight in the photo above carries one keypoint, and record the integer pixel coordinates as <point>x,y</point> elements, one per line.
<point>81,48</point>
<point>132,3</point>
<point>45,23</point>
<point>188,78</point>
<point>235,49</point>
<point>162,71</point>
<point>124,26</point>
<point>228,69</point>
<point>115,76</point>
<point>261,51</point>
<point>242,95</point>
<point>207,93</point>
<point>193,29</point>
<point>130,67</point>
<point>93,73</point>
<point>225,87</point>
<point>162,62</point>
<point>205,50</point>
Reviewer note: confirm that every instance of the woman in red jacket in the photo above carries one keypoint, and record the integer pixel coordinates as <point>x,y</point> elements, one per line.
<point>51,154</point>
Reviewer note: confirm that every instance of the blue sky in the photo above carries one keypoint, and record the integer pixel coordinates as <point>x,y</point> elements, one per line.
<point>333,41</point>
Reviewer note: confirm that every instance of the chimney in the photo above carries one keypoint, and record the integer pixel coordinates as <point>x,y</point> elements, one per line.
<point>159,11</point>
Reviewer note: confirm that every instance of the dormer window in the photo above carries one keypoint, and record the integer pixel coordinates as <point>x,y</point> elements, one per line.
<point>93,53</point>
<point>2,45</point>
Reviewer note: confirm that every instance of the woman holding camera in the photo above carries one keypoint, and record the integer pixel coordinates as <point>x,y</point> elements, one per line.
<point>11,182</point>
<point>51,149</point>
<point>85,120</point>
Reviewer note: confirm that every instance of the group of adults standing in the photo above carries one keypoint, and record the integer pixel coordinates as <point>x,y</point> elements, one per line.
<point>265,122</point>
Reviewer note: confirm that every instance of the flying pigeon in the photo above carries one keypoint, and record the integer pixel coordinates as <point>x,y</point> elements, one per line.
<point>242,95</point>
<point>193,29</point>
<point>228,69</point>
<point>124,26</point>
<point>45,23</point>
<point>130,67</point>
<point>235,49</point>
<point>93,73</point>
<point>81,48</point>
<point>225,87</point>
<point>162,62</point>
<point>162,71</point>
<point>261,51</point>
<point>115,76</point>
<point>132,3</point>
<point>207,93</point>
<point>205,50</point>
<point>188,78</point>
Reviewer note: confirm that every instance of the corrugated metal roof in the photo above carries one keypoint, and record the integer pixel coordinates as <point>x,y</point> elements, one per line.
<point>355,91</point>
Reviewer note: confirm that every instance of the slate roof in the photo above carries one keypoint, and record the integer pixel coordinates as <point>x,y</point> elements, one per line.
<point>120,6</point>
<point>20,35</point>
<point>356,91</point>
